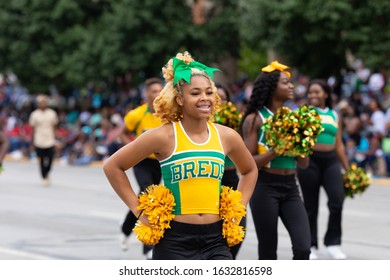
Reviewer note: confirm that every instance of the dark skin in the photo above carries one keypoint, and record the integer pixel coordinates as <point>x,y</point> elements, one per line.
<point>316,97</point>
<point>253,123</point>
<point>196,99</point>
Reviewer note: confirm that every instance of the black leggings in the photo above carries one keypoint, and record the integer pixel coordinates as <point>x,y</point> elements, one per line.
<point>45,160</point>
<point>147,172</point>
<point>278,196</point>
<point>324,170</point>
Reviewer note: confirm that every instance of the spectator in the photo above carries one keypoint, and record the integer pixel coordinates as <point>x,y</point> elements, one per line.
<point>377,117</point>
<point>376,83</point>
<point>43,121</point>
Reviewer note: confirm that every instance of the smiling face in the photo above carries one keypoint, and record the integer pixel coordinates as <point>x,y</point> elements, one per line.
<point>316,95</point>
<point>284,89</point>
<point>197,99</point>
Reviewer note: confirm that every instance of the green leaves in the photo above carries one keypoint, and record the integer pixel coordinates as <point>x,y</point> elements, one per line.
<point>314,36</point>
<point>72,42</point>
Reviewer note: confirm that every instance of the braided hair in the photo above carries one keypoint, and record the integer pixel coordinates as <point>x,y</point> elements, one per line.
<point>263,89</point>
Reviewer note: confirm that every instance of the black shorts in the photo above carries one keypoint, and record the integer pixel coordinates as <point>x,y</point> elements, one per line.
<point>192,242</point>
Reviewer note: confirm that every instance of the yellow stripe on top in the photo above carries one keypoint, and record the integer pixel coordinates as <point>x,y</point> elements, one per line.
<point>194,171</point>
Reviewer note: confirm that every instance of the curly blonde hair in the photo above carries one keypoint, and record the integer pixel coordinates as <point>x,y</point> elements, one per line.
<point>165,104</point>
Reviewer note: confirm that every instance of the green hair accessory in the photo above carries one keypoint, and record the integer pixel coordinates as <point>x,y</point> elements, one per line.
<point>182,70</point>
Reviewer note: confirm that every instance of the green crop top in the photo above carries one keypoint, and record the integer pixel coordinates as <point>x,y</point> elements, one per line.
<point>329,121</point>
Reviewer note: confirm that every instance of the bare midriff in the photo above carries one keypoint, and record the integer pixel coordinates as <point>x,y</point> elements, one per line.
<point>197,218</point>
<point>324,147</point>
<point>280,171</point>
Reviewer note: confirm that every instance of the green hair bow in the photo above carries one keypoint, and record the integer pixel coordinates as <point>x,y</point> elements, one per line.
<point>182,70</point>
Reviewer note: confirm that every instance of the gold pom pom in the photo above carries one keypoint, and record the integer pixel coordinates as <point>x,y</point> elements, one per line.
<point>148,235</point>
<point>356,181</point>
<point>228,115</point>
<point>231,211</point>
<point>157,204</point>
<point>293,133</point>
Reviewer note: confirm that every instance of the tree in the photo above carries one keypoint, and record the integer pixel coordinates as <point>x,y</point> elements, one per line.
<point>38,36</point>
<point>369,34</point>
<point>315,35</point>
<point>69,43</point>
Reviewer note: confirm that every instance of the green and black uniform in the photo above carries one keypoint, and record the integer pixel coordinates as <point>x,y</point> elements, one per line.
<point>278,196</point>
<point>324,170</point>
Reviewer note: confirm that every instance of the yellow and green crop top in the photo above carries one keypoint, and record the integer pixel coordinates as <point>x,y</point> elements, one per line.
<point>140,120</point>
<point>329,122</point>
<point>284,162</point>
<point>193,172</point>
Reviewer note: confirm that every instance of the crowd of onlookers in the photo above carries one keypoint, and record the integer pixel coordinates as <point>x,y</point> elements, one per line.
<point>91,119</point>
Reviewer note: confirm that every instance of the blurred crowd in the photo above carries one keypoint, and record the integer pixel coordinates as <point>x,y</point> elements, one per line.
<point>362,99</point>
<point>91,118</point>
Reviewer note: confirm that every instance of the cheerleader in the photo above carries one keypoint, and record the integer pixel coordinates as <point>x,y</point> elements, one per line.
<point>276,193</point>
<point>191,151</point>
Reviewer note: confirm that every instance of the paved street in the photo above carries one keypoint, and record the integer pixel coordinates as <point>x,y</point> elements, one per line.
<point>78,218</point>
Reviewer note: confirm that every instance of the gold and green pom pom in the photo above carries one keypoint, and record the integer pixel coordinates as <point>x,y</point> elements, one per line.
<point>293,133</point>
<point>157,204</point>
<point>228,115</point>
<point>356,180</point>
<point>231,211</point>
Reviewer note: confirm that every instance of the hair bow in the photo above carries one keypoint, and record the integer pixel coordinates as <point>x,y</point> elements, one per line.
<point>182,70</point>
<point>275,65</point>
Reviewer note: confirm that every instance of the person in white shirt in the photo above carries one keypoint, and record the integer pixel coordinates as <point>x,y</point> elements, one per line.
<point>377,118</point>
<point>376,82</point>
<point>43,122</point>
